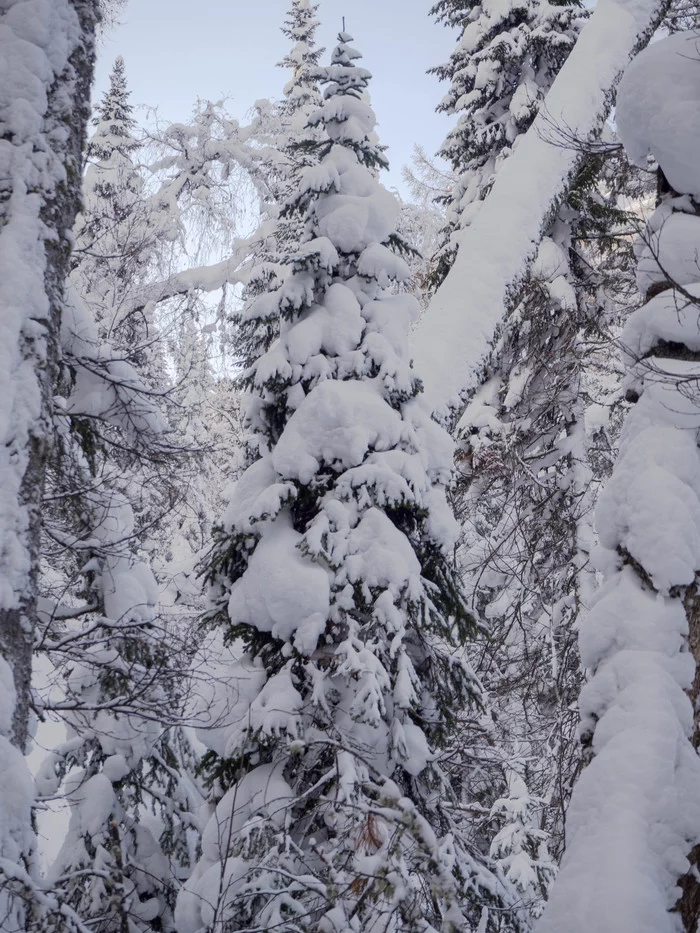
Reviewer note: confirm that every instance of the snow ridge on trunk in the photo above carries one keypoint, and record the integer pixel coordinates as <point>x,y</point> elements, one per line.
<point>455,335</point>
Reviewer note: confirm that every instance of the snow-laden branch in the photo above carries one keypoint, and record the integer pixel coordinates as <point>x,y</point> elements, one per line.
<point>456,332</point>
<point>210,278</point>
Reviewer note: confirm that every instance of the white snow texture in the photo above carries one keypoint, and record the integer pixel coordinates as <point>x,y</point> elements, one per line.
<point>635,811</point>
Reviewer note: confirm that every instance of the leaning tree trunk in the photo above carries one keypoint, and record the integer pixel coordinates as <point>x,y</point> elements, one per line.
<point>46,65</point>
<point>454,337</point>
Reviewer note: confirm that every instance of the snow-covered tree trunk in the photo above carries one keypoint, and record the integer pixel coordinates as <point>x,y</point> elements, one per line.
<point>46,63</point>
<point>635,813</point>
<point>494,252</point>
<point>500,71</point>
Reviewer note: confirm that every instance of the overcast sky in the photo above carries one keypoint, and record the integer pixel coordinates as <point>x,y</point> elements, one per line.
<point>179,50</point>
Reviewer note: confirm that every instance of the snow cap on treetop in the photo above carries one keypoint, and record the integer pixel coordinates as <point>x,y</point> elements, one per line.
<point>657,109</point>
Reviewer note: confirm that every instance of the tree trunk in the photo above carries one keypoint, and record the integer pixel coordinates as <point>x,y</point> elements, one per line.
<point>44,106</point>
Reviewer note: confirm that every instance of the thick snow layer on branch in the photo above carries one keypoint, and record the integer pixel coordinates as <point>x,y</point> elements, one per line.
<point>657,109</point>
<point>338,423</point>
<point>282,592</point>
<point>671,252</point>
<point>669,316</point>
<point>458,329</point>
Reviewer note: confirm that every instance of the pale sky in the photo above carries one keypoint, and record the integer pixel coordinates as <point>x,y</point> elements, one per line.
<point>179,50</point>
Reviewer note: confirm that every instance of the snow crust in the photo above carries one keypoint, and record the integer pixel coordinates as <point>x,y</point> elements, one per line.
<point>455,334</point>
<point>657,113</point>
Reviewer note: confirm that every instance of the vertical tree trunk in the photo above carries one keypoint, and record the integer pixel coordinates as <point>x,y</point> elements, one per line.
<point>46,64</point>
<point>635,811</point>
<point>40,180</point>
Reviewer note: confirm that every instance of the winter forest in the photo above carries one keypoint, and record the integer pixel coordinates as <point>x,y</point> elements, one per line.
<point>349,539</point>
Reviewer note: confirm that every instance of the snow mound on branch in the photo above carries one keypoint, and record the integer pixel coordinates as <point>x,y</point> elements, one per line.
<point>334,328</point>
<point>281,591</point>
<point>668,316</point>
<point>672,252</point>
<point>379,555</point>
<point>651,505</point>
<point>262,793</point>
<point>256,497</point>
<point>362,213</point>
<point>657,112</point>
<point>225,681</point>
<point>260,797</point>
<point>338,423</point>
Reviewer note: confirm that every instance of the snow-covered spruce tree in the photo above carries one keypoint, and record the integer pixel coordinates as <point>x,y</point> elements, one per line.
<point>505,61</point>
<point>47,55</point>
<point>301,93</point>
<point>115,234</point>
<point>293,146</point>
<point>332,582</point>
<point>637,803</point>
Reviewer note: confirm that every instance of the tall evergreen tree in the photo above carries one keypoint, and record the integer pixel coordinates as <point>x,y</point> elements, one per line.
<point>536,440</point>
<point>332,582</point>
<point>293,143</point>
<point>302,91</point>
<point>116,236</point>
<point>118,667</point>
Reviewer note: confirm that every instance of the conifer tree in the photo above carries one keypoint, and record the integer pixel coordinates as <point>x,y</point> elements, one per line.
<point>294,145</point>
<point>332,584</point>
<point>536,442</point>
<point>118,668</point>
<point>301,93</point>
<point>115,234</point>
<point>504,63</point>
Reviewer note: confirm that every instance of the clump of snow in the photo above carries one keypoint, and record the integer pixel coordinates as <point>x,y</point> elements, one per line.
<point>669,316</point>
<point>261,796</point>
<point>657,112</point>
<point>651,505</point>
<point>338,423</point>
<point>670,250</point>
<point>281,591</point>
